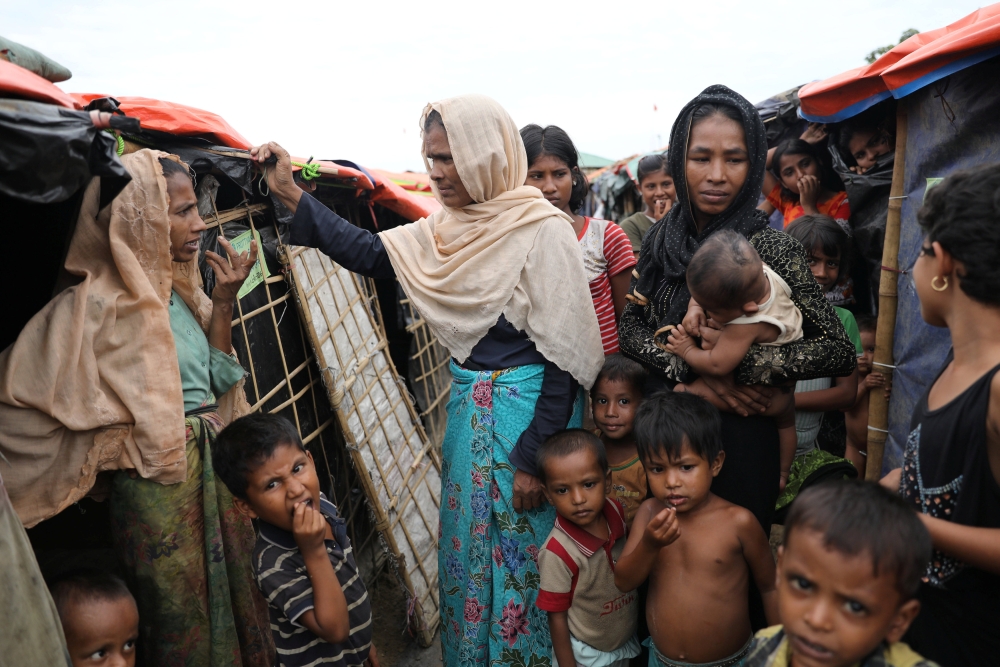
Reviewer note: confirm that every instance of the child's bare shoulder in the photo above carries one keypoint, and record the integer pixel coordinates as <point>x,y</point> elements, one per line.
<point>732,514</point>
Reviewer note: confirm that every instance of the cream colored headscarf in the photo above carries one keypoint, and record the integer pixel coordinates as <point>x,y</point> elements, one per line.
<point>92,382</point>
<point>510,252</point>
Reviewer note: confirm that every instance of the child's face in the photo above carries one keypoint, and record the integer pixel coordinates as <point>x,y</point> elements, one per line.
<point>554,178</point>
<point>794,167</point>
<point>868,345</point>
<point>280,483</point>
<point>101,632</point>
<point>868,146</point>
<point>825,269</point>
<point>682,482</point>
<point>576,487</point>
<point>614,405</point>
<point>658,187</point>
<point>835,611</point>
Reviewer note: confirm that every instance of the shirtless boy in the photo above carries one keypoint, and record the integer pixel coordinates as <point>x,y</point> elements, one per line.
<point>698,550</point>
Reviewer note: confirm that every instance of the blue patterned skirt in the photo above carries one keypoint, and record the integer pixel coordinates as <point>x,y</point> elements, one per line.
<point>488,556</point>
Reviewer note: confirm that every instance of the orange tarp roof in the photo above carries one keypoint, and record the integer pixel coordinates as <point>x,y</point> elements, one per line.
<point>17,81</point>
<point>917,62</point>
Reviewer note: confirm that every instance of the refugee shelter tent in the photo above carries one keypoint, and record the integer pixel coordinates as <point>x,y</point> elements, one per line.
<point>949,108</point>
<point>614,191</point>
<point>370,447</point>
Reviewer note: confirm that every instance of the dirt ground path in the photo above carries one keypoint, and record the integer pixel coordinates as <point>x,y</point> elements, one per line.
<point>396,648</point>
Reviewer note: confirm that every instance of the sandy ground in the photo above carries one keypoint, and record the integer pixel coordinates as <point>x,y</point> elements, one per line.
<point>396,648</point>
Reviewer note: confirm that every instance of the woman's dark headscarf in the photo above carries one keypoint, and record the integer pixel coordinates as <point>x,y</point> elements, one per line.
<point>669,245</point>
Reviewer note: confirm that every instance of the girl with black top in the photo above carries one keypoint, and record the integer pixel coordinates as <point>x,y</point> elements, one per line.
<point>951,464</point>
<point>717,158</point>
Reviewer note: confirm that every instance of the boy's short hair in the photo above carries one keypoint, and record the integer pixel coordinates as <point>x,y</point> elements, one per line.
<point>567,442</point>
<point>619,368</point>
<point>858,517</point>
<point>246,443</point>
<point>86,584</point>
<point>867,322</point>
<point>723,266</point>
<point>665,419</point>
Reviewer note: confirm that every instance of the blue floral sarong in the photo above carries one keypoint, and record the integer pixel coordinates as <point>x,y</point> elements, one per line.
<point>488,560</point>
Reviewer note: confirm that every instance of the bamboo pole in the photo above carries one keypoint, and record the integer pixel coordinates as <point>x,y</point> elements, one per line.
<point>888,297</point>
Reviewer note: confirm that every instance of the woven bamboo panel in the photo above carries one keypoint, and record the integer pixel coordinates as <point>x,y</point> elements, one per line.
<point>380,425</point>
<point>283,378</point>
<point>430,379</point>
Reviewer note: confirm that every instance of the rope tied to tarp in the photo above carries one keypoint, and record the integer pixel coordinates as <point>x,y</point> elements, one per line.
<point>310,169</point>
<point>121,142</point>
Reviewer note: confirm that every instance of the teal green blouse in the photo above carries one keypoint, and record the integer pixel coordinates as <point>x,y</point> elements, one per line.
<point>205,371</point>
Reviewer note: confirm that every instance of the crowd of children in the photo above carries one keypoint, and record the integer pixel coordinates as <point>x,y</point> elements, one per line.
<point>641,552</point>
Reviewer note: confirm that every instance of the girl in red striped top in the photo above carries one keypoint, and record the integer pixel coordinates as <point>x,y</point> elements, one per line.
<point>607,252</point>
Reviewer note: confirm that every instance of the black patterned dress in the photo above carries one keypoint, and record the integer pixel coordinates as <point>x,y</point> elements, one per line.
<point>946,474</point>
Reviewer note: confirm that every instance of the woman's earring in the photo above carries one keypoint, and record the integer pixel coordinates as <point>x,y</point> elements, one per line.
<point>574,181</point>
<point>934,284</point>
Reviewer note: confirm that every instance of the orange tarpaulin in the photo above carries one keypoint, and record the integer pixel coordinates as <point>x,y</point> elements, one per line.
<point>179,119</point>
<point>917,62</point>
<point>184,121</point>
<point>18,82</point>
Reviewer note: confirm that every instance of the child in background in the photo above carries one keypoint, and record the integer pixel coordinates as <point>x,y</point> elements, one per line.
<point>322,617</point>
<point>656,186</point>
<point>591,621</point>
<point>828,247</point>
<point>730,285</point>
<point>607,253</point>
<point>829,250</point>
<point>99,617</point>
<point>615,397</point>
<point>803,186</point>
<point>848,574</point>
<point>698,550</point>
<point>857,416</point>
<point>862,140</point>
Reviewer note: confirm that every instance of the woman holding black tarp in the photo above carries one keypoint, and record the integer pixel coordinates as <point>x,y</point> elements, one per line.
<point>498,276</point>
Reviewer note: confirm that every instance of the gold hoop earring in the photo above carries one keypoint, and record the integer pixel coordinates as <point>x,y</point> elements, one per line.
<point>934,284</point>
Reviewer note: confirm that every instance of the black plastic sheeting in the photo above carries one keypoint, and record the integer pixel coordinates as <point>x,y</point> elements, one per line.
<point>47,153</point>
<point>868,194</point>
<point>953,124</point>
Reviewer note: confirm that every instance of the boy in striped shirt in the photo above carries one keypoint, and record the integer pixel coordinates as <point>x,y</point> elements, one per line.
<point>303,560</point>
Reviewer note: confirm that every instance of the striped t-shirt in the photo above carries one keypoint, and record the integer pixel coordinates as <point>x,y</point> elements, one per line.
<point>606,253</point>
<point>282,578</point>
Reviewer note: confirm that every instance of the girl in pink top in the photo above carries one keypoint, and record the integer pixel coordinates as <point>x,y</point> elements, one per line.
<point>607,252</point>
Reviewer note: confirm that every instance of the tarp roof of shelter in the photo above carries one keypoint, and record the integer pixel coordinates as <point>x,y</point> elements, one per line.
<point>185,121</point>
<point>917,62</point>
<point>177,119</point>
<point>19,82</point>
<point>591,161</point>
<point>630,164</point>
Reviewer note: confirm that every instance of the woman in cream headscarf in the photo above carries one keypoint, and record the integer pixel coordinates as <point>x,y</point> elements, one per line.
<point>498,276</point>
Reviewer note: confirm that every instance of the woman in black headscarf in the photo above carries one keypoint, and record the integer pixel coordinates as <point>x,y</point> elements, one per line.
<point>717,156</point>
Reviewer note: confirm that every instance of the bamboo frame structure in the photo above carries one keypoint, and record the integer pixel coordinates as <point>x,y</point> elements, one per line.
<point>878,406</point>
<point>400,467</point>
<point>430,378</point>
<point>296,391</point>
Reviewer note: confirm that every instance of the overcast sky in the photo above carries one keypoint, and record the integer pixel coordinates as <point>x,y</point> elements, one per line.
<point>349,79</point>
